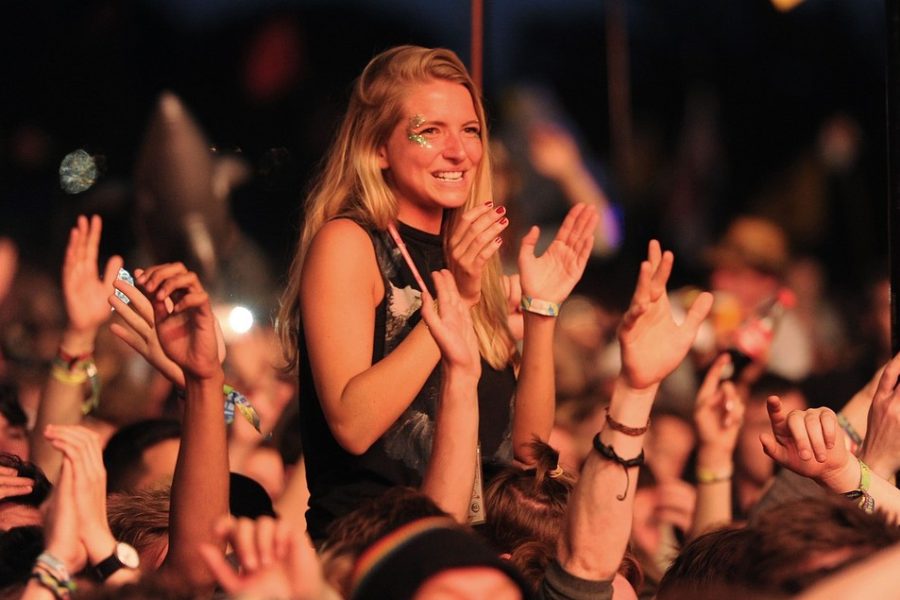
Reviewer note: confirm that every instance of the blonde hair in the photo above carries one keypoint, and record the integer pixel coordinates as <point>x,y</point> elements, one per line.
<point>351,184</point>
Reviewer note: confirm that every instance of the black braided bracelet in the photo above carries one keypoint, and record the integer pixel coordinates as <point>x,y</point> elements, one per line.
<point>609,453</point>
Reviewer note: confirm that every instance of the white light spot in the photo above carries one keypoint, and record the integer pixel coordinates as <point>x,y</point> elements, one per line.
<point>240,320</point>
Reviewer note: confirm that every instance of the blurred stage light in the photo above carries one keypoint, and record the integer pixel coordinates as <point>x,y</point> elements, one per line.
<point>240,320</point>
<point>786,5</point>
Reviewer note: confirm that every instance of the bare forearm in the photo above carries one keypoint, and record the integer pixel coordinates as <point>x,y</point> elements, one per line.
<point>450,474</point>
<point>372,400</point>
<point>599,523</point>
<point>200,483</point>
<point>536,386</point>
<point>60,404</point>
<point>714,468</point>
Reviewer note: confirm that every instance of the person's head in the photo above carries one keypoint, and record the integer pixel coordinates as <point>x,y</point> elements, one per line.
<point>526,513</point>
<point>803,541</point>
<point>142,455</point>
<point>23,510</point>
<point>435,558</point>
<point>712,561</point>
<point>390,152</point>
<point>749,260</point>
<point>141,518</point>
<point>19,548</point>
<point>351,534</point>
<point>13,424</point>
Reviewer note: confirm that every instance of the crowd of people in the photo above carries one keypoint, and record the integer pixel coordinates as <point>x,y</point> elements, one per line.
<point>438,411</point>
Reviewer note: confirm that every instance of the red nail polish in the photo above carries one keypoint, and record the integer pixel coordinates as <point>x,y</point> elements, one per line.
<point>488,204</point>
<point>504,221</point>
<point>498,240</point>
<point>500,210</point>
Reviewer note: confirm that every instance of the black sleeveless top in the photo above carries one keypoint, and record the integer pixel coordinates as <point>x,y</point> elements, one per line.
<point>339,481</point>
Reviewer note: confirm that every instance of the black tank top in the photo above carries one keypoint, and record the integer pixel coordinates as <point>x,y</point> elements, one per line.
<point>339,481</point>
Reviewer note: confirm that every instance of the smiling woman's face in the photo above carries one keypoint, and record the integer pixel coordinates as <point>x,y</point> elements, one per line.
<point>431,157</point>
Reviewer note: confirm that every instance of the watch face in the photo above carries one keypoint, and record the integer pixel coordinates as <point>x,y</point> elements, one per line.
<point>127,555</point>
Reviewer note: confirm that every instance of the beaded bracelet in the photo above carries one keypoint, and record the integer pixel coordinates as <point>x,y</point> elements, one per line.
<point>609,453</point>
<point>540,307</point>
<point>865,499</point>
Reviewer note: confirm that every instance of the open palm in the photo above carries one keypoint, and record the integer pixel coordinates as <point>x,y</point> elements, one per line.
<point>552,275</point>
<point>653,344</point>
<point>85,293</point>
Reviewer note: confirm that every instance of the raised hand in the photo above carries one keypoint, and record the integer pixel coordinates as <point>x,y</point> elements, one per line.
<point>881,446</point>
<point>552,275</point>
<point>62,522</point>
<point>719,410</point>
<point>808,442</point>
<point>473,241</point>
<point>135,324</point>
<point>83,456</point>
<point>653,344</point>
<point>85,293</point>
<point>276,557</point>
<point>451,325</point>
<point>187,334</point>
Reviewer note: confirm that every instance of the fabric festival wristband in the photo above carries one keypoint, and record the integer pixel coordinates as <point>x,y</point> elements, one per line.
<point>540,307</point>
<point>864,499</point>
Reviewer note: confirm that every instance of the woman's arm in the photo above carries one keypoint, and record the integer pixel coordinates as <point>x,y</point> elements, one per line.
<point>450,474</point>
<point>548,278</point>
<point>340,287</point>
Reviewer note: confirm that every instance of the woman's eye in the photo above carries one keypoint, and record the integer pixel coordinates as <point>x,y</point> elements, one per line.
<point>429,131</point>
<point>473,131</point>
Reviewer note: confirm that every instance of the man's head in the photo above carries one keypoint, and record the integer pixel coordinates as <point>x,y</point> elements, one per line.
<point>142,455</point>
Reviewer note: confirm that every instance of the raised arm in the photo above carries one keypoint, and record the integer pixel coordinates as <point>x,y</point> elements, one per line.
<point>881,445</point>
<point>718,415</point>
<point>187,335</point>
<point>340,288</point>
<point>450,473</point>
<point>652,345</point>
<point>546,282</point>
<point>555,155</point>
<point>85,294</point>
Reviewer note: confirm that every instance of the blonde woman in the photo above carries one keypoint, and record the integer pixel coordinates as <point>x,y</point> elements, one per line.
<point>404,191</point>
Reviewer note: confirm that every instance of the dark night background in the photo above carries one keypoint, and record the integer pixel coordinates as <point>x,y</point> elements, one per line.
<point>753,84</point>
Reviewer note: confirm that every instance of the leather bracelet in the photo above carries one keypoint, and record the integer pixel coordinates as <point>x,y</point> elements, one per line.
<point>609,453</point>
<point>621,428</point>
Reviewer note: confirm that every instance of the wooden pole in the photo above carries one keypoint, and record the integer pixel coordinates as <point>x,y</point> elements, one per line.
<point>893,162</point>
<point>476,60</point>
<point>619,90</point>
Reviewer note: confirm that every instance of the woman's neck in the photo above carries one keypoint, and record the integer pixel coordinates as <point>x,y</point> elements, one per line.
<point>424,219</point>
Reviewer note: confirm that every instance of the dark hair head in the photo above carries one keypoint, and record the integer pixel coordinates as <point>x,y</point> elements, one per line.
<point>42,486</point>
<point>124,451</point>
<point>19,548</point>
<point>708,561</point>
<point>10,407</point>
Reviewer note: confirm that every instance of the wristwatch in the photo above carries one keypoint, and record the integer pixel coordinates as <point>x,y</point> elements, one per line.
<point>123,556</point>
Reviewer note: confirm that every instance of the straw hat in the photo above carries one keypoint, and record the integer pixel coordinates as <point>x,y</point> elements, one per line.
<point>751,242</point>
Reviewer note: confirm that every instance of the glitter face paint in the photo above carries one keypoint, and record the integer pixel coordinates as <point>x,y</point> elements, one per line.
<point>415,122</point>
